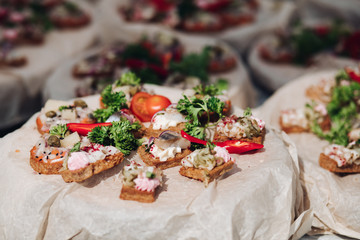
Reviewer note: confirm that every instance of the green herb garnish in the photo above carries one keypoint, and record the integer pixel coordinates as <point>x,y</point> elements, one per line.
<point>59,130</point>
<point>193,65</point>
<point>128,78</point>
<point>119,134</point>
<point>76,147</point>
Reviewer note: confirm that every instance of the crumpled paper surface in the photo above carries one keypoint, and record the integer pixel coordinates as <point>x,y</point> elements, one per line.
<point>333,199</point>
<point>259,198</point>
<point>272,76</point>
<point>21,87</point>
<point>61,84</point>
<point>271,15</point>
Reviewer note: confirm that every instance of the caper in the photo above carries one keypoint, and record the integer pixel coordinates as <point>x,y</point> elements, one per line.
<point>80,103</point>
<point>53,141</point>
<point>50,114</point>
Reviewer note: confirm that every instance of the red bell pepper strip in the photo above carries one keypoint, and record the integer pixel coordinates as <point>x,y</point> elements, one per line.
<point>84,128</point>
<point>232,146</point>
<point>353,75</point>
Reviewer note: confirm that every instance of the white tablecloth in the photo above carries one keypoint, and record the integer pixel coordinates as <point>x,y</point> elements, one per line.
<point>260,198</point>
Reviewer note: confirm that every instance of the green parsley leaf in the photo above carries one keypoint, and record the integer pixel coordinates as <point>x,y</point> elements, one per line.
<point>128,78</point>
<point>119,134</point>
<point>64,107</point>
<point>59,130</point>
<point>76,147</point>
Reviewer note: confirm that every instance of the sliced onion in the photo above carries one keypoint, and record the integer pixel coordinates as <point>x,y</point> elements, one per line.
<point>128,116</point>
<point>159,112</point>
<point>168,131</point>
<point>151,140</point>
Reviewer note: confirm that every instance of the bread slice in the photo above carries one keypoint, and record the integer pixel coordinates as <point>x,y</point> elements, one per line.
<point>149,160</point>
<point>331,165</point>
<point>82,174</point>
<point>218,137</point>
<point>42,167</point>
<point>150,132</point>
<point>205,175</point>
<point>130,193</point>
<point>325,126</point>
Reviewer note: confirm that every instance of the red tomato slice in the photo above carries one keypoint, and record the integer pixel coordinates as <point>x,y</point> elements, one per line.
<point>156,103</point>
<point>138,107</point>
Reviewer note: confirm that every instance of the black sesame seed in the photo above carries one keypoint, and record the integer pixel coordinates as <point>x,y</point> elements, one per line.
<point>40,160</point>
<point>47,157</point>
<point>57,154</point>
<point>36,156</point>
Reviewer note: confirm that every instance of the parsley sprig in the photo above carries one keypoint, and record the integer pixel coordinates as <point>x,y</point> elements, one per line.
<point>59,130</point>
<point>119,134</point>
<point>198,113</point>
<point>113,101</point>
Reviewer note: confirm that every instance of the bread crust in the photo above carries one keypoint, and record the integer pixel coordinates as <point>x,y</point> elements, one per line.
<point>42,167</point>
<point>150,132</point>
<point>130,193</point>
<point>82,174</point>
<point>259,140</point>
<point>331,165</point>
<point>149,160</point>
<point>205,175</point>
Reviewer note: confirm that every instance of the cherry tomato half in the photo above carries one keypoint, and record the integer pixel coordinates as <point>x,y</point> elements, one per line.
<point>138,107</point>
<point>156,103</point>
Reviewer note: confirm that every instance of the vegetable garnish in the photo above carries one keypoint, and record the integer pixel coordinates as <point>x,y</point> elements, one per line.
<point>113,102</point>
<point>232,146</point>
<point>199,112</point>
<point>342,109</point>
<point>84,128</point>
<point>193,65</point>
<point>59,130</point>
<point>118,134</point>
<point>128,78</point>
<point>138,107</point>
<point>144,105</point>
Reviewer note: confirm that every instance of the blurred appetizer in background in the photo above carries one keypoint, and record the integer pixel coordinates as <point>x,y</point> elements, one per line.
<point>28,22</point>
<point>192,15</point>
<point>159,60</point>
<point>302,42</point>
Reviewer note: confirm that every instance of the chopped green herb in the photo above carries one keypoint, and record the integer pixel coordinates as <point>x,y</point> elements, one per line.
<point>76,147</point>
<point>119,134</point>
<point>59,130</point>
<point>128,78</point>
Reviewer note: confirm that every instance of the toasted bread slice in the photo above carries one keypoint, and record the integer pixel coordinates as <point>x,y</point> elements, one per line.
<point>205,175</point>
<point>221,138</point>
<point>149,160</point>
<point>331,165</point>
<point>40,166</point>
<point>325,126</point>
<point>150,132</point>
<point>82,174</point>
<point>130,193</point>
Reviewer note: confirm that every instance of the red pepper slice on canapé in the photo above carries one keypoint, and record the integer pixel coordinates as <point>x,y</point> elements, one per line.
<point>353,75</point>
<point>84,128</point>
<point>232,146</point>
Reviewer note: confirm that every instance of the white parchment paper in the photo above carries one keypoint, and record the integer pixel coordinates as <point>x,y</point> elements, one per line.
<point>334,199</point>
<point>21,87</point>
<point>61,84</point>
<point>271,15</point>
<point>260,198</point>
<point>272,76</point>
